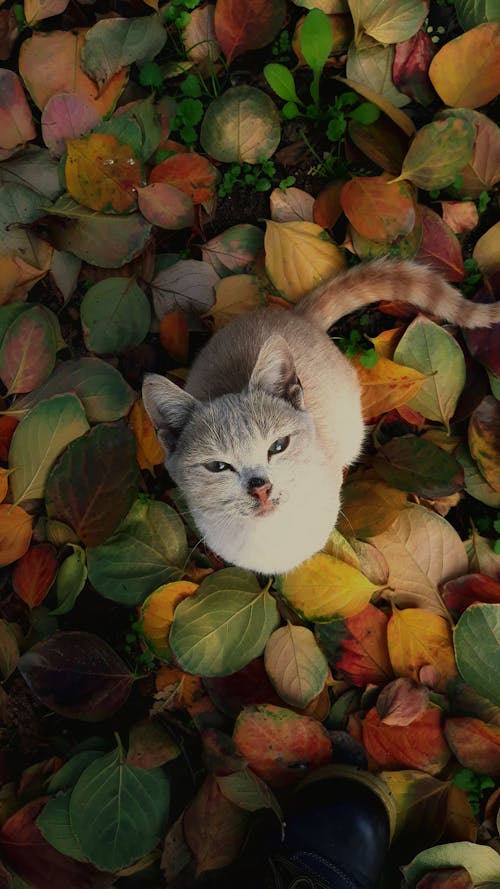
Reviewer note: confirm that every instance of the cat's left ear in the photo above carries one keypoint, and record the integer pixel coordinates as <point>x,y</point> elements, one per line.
<point>274,372</point>
<point>168,407</point>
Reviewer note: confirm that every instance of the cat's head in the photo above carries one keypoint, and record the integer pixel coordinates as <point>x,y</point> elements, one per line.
<point>250,464</point>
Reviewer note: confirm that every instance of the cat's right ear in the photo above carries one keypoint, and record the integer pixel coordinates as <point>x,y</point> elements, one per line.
<point>168,408</point>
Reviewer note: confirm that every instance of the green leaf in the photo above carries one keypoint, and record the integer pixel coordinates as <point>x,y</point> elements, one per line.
<point>141,119</point>
<point>100,387</point>
<point>118,812</point>
<point>290,110</point>
<point>115,315</point>
<point>477,649</point>
<point>56,829</point>
<point>70,580</point>
<point>114,43</point>
<point>316,40</point>
<point>432,350</point>
<point>241,125</point>
<point>68,774</point>
<point>295,665</point>
<point>39,439</point>
<point>474,12</point>
<point>365,113</point>
<point>8,315</point>
<point>148,549</point>
<point>439,151</point>
<point>280,79</point>
<point>413,464</point>
<point>247,791</point>
<point>224,625</point>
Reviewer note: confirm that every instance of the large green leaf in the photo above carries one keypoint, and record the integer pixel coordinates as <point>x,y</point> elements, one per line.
<point>477,649</point>
<point>433,351</point>
<point>39,439</point>
<point>55,826</point>
<point>148,549</point>
<point>241,125</point>
<point>100,387</point>
<point>438,153</point>
<point>224,625</point>
<point>115,315</point>
<point>118,812</point>
<point>94,483</point>
<point>413,464</point>
<point>295,665</point>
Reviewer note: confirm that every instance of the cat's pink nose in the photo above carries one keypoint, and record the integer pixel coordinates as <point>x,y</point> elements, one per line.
<point>260,488</point>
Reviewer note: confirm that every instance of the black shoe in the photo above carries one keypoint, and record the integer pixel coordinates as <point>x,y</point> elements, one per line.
<point>338,830</point>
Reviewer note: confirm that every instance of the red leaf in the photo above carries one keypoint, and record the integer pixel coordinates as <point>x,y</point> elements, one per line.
<point>446,878</point>
<point>440,247</point>
<point>279,745</point>
<point>483,341</point>
<point>34,574</point>
<point>241,25</point>
<point>190,173</point>
<point>38,863</point>
<point>475,743</point>
<point>174,336</point>
<point>411,64</point>
<point>7,427</point>
<point>420,745</point>
<point>251,685</point>
<point>458,594</point>
<point>364,655</point>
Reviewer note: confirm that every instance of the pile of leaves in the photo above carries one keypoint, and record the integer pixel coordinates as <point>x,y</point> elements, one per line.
<point>162,171</point>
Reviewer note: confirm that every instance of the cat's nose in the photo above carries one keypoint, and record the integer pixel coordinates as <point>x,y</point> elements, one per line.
<point>260,488</point>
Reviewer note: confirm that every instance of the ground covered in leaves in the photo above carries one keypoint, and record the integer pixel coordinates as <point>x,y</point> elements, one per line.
<point>161,171</point>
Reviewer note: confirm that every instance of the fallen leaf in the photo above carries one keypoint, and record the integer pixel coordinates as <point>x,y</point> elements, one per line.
<point>440,247</point>
<point>410,71</point>
<point>324,588</point>
<point>370,66</point>
<point>37,10</point>
<point>390,22</point>
<point>165,206</point>
<point>369,507</point>
<point>296,666</point>
<point>486,251</point>
<point>482,557</point>
<point>383,142</point>
<point>299,256</point>
<point>402,701</point>
<point>279,745</point>
<point>461,216</point>
<point>189,173</point>
<point>15,533</point>
<point>327,208</point>
<point>214,827</point>
<point>234,295</point>
<point>16,123</point>
<point>419,745</point>
<point>67,116</point>
<point>242,125</point>
<point>422,551</point>
<point>157,614</point>
<point>458,594</point>
<point>477,649</point>
<point>34,574</point>
<point>378,209</point>
<point>475,744</point>
<point>357,647</point>
<point>174,336</point>
<point>418,638</point>
<point>484,440</point>
<point>187,285</point>
<point>438,153</point>
<point>235,250</point>
<point>291,205</point>
<point>387,385</point>
<point>241,26</point>
<point>114,43</point>
<point>150,745</point>
<point>199,38</point>
<point>149,451</point>
<point>102,173</point>
<point>466,70</point>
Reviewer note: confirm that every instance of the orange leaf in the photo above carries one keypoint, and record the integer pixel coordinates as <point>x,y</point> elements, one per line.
<point>273,740</point>
<point>475,743</point>
<point>34,574</point>
<point>57,54</point>
<point>174,336</point>
<point>460,216</point>
<point>327,207</point>
<point>102,173</point>
<point>387,385</point>
<point>17,276</point>
<point>4,483</point>
<point>190,173</point>
<point>419,638</point>
<point>419,745</point>
<point>176,689</point>
<point>149,451</point>
<point>378,209</point>
<point>466,71</point>
<point>15,533</point>
<point>364,657</point>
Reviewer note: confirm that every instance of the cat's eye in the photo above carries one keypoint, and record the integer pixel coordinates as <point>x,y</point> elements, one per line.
<point>217,466</point>
<point>279,446</point>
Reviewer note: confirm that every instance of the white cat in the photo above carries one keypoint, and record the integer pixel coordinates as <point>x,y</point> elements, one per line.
<point>271,416</point>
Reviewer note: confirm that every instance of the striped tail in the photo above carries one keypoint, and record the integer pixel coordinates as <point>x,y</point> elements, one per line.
<point>403,281</point>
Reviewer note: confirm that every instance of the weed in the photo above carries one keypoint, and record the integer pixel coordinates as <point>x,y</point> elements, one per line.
<point>257,176</point>
<point>355,344</point>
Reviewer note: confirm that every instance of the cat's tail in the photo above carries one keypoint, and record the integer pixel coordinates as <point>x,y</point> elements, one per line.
<point>404,281</point>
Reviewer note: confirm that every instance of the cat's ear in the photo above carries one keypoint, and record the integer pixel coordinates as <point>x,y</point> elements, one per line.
<point>274,372</point>
<point>168,408</point>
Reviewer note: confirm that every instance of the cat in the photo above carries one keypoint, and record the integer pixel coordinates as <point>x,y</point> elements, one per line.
<point>271,415</point>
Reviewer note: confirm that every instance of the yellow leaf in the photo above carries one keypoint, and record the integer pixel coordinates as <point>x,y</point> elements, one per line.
<point>149,451</point>
<point>157,613</point>
<point>386,386</point>
<point>299,256</point>
<point>15,533</point>
<point>324,588</point>
<point>466,71</point>
<point>487,251</point>
<point>17,276</point>
<point>419,638</point>
<point>233,296</point>
<point>102,173</point>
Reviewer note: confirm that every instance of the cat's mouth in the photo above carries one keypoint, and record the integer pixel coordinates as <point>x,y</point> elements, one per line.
<point>265,508</point>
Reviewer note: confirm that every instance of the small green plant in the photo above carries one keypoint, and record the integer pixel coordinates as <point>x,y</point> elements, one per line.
<point>177,12</point>
<point>483,201</point>
<point>355,344</point>
<point>473,276</point>
<point>257,176</point>
<point>281,47</point>
<point>474,786</point>
<point>189,110</point>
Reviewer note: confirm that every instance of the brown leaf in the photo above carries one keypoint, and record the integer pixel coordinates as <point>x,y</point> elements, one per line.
<point>214,828</point>
<point>401,702</point>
